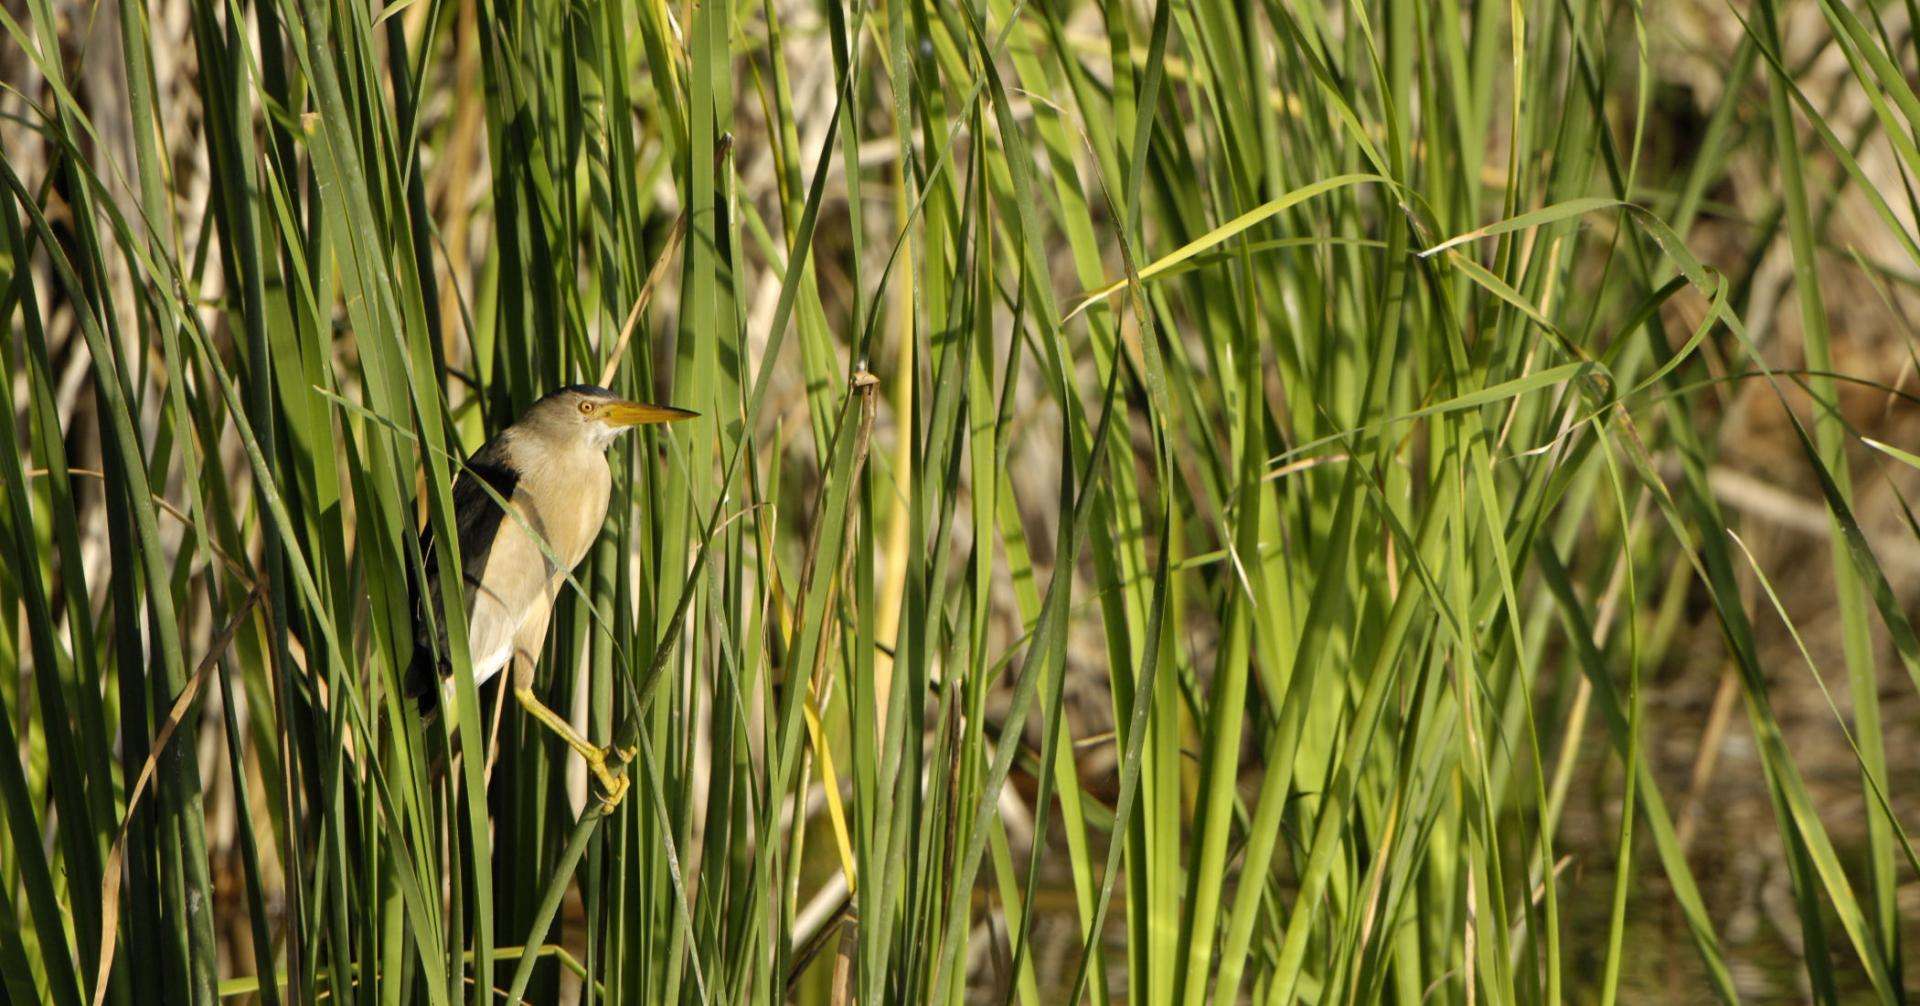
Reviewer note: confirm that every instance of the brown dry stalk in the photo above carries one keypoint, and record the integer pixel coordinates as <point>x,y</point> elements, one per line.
<point>116,857</point>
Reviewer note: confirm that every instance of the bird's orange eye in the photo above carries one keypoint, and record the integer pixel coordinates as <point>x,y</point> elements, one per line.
<point>586,408</point>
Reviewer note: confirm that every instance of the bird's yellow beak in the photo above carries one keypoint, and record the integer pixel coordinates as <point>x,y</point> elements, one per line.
<point>623,413</point>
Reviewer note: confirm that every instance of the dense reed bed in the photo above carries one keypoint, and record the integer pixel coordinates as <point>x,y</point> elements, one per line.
<point>1194,501</point>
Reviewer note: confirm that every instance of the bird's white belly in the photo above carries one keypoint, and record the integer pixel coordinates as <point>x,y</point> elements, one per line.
<point>492,625</point>
<point>486,665</point>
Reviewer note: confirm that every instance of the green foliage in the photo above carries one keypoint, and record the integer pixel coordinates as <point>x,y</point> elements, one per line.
<point>1333,352</point>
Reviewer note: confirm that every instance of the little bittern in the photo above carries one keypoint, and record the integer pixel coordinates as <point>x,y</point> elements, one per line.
<point>551,468</point>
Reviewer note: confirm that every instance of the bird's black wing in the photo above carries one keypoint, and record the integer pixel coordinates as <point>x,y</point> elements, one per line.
<point>476,517</point>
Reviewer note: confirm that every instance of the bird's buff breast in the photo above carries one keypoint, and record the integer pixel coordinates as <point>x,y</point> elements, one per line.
<point>564,495</point>
<point>563,500</point>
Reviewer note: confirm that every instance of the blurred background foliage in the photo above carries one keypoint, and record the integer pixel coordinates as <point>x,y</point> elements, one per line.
<point>1277,500</point>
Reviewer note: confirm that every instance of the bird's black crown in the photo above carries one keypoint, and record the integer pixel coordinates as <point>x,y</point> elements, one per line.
<point>585,389</point>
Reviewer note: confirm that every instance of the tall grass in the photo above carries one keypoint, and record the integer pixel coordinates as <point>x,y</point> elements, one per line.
<point>1192,499</point>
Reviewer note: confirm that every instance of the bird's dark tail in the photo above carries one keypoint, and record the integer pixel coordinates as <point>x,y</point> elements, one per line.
<point>423,681</point>
<point>422,686</point>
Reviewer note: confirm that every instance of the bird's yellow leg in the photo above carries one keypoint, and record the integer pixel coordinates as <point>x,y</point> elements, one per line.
<point>614,784</point>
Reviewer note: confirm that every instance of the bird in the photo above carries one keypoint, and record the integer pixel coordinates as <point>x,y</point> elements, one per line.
<point>550,469</point>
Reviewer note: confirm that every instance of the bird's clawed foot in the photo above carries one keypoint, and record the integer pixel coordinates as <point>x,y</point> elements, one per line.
<point>609,766</point>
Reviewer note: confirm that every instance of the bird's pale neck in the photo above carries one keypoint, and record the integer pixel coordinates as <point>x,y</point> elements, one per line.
<point>601,436</point>
<point>561,462</point>
<point>566,484</point>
